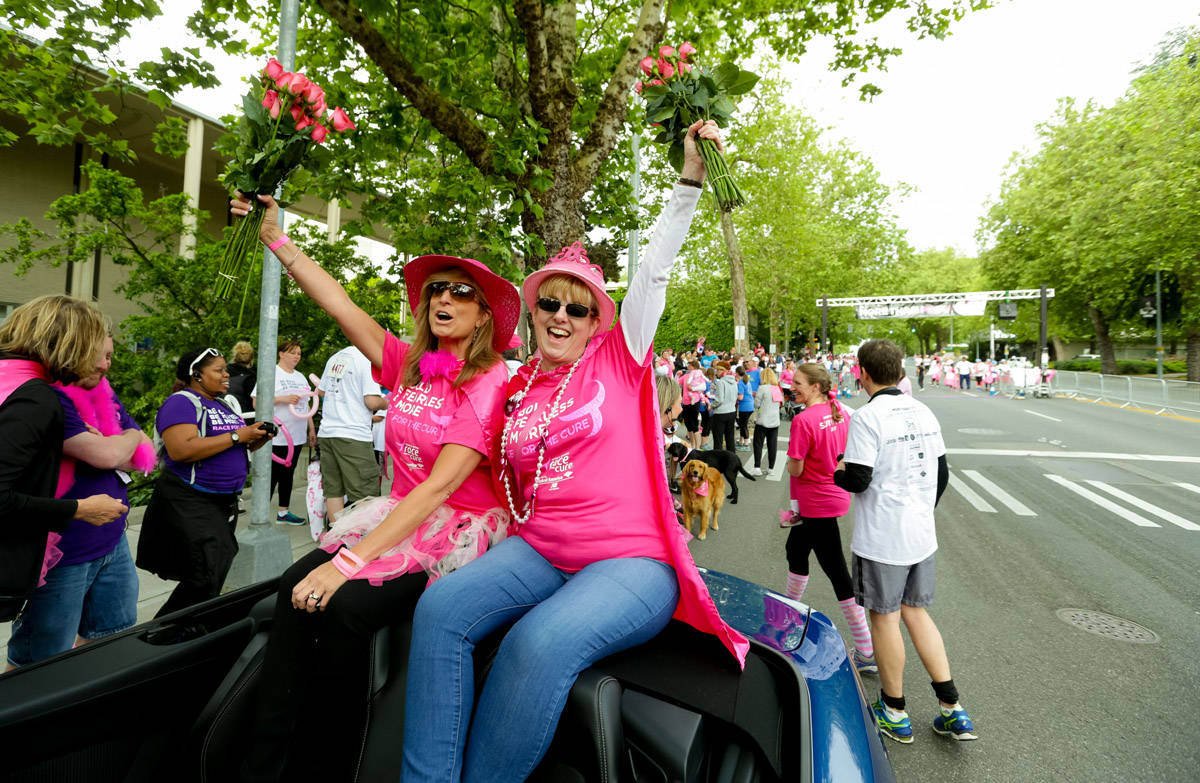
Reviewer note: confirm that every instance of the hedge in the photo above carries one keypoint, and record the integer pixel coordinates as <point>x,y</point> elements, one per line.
<point>1124,366</point>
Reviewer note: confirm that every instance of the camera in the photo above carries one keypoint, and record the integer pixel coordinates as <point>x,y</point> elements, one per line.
<point>270,427</point>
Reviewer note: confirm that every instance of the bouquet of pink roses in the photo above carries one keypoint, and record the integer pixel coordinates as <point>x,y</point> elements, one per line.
<point>284,123</point>
<point>679,93</point>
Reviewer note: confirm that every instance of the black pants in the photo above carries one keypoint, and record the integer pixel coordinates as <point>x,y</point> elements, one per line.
<point>771,436</point>
<point>743,420</point>
<point>705,422</point>
<point>722,427</point>
<point>284,476</point>
<point>820,535</point>
<point>315,676</point>
<point>921,377</point>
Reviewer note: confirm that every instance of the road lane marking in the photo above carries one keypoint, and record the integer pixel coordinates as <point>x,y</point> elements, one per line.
<point>1119,457</point>
<point>1044,416</point>
<point>1014,505</point>
<point>1103,502</point>
<point>780,467</point>
<point>1185,485</point>
<point>969,394</point>
<point>973,497</point>
<point>1161,513</point>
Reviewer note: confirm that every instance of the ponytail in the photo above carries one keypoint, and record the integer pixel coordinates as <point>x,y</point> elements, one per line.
<point>835,406</point>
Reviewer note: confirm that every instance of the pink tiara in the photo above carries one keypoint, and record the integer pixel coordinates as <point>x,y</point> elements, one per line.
<point>575,252</point>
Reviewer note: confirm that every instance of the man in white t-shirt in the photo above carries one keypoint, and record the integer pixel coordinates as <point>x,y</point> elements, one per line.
<point>350,396</point>
<point>289,384</point>
<point>895,462</point>
<point>963,368</point>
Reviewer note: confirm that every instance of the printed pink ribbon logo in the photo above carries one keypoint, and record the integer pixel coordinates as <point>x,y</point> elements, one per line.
<point>591,410</point>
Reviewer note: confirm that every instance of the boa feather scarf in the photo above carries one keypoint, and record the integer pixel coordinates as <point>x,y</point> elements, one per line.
<point>98,408</point>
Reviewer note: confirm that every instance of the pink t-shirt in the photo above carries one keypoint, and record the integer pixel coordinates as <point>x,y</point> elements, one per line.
<point>818,440</point>
<point>785,378</point>
<point>423,418</point>
<point>594,471</point>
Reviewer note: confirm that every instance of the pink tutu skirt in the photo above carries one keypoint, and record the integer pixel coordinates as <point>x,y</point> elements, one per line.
<point>446,540</point>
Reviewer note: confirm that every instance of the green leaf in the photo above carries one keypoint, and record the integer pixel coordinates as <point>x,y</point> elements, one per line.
<point>159,98</point>
<point>663,114</point>
<point>675,155</point>
<point>742,83</point>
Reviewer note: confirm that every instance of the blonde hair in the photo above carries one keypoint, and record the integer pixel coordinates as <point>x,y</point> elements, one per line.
<point>818,376</point>
<point>669,392</point>
<point>481,356</point>
<point>242,353</point>
<point>62,333</point>
<point>769,377</point>
<point>566,288</point>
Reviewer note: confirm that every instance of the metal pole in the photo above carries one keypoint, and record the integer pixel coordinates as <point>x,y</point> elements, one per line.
<point>825,324</point>
<point>1042,334</point>
<point>637,197</point>
<point>1158,346</point>
<point>992,338</point>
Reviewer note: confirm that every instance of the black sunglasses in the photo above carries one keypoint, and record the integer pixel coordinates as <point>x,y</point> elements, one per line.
<point>549,304</point>
<point>464,292</point>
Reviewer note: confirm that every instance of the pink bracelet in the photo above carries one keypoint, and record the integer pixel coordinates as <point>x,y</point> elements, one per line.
<point>278,243</point>
<point>351,565</point>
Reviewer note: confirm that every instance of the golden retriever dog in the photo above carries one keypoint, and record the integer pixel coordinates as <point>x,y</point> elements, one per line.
<point>703,493</point>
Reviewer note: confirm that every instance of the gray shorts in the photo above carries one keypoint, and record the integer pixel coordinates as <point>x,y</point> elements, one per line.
<point>348,468</point>
<point>881,588</point>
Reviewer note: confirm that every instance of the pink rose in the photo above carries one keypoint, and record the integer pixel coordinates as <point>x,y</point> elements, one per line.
<point>273,70</point>
<point>314,93</point>
<point>319,133</point>
<point>319,108</point>
<point>270,98</point>
<point>638,87</point>
<point>657,81</point>
<point>687,50</point>
<point>665,69</point>
<point>341,121</point>
<point>299,85</point>
<point>666,51</point>
<point>284,80</point>
<point>647,65</point>
<point>683,67</point>
<point>297,112</point>
<point>304,122</point>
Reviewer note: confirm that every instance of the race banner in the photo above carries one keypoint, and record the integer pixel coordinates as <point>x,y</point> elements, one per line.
<point>972,305</point>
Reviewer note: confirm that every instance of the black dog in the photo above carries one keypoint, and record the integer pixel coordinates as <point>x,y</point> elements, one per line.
<point>726,462</point>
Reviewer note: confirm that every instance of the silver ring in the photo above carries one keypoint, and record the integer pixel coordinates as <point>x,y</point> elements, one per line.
<point>314,597</point>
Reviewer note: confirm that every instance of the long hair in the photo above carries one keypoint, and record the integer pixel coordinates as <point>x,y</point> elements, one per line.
<point>818,376</point>
<point>63,334</point>
<point>668,392</point>
<point>769,377</point>
<point>481,356</point>
<point>243,353</point>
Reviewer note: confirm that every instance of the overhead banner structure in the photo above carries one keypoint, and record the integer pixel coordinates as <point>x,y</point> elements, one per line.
<point>968,305</point>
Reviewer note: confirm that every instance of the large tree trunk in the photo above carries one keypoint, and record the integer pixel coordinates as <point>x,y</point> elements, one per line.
<point>1193,355</point>
<point>1060,348</point>
<point>1108,357</point>
<point>737,284</point>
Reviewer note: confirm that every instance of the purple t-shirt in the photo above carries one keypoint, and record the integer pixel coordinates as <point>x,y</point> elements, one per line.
<point>224,472</point>
<point>82,541</point>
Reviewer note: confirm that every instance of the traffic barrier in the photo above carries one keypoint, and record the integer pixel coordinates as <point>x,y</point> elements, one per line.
<point>1160,395</point>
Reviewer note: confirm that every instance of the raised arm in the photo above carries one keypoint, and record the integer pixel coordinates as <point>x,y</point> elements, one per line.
<point>359,328</point>
<point>647,297</point>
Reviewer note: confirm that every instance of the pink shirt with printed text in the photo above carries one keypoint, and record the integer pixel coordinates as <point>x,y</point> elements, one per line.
<point>818,440</point>
<point>423,418</point>
<point>594,471</point>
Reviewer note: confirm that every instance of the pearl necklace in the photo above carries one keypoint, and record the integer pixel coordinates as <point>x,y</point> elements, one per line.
<point>542,434</point>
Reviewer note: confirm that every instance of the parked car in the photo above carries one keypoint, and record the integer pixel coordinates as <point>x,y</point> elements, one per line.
<point>1085,356</point>
<point>171,699</point>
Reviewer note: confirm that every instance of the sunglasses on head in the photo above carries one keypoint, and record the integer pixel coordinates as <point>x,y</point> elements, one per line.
<point>549,304</point>
<point>464,292</point>
<point>203,354</point>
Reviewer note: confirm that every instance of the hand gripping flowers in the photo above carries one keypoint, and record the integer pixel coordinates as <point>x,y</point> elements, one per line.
<point>285,120</point>
<point>679,93</point>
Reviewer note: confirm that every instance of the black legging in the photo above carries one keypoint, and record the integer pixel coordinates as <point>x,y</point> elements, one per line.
<point>705,422</point>
<point>820,535</point>
<point>771,436</point>
<point>284,475</point>
<point>314,674</point>
<point>722,427</point>
<point>743,420</point>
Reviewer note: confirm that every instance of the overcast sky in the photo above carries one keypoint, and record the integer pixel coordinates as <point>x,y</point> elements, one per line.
<point>952,112</point>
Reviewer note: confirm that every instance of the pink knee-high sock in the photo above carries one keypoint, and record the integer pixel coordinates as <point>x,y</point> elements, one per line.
<point>796,584</point>
<point>856,618</point>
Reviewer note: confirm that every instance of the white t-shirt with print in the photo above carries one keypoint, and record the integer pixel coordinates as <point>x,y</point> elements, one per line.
<point>346,380</point>
<point>901,440</point>
<point>289,383</point>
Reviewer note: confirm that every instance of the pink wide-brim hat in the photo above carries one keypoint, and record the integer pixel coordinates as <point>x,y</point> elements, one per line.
<point>573,261</point>
<point>501,295</point>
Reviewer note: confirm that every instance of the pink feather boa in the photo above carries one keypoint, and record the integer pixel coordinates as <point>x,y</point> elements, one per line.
<point>439,363</point>
<point>98,408</point>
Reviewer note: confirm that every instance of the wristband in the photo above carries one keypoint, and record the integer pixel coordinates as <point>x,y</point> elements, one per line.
<point>349,566</point>
<point>695,183</point>
<point>278,243</point>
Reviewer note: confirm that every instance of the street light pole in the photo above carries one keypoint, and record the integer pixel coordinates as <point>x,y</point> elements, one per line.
<point>1158,344</point>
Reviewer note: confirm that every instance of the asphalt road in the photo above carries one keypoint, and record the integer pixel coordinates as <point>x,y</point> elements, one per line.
<point>1076,519</point>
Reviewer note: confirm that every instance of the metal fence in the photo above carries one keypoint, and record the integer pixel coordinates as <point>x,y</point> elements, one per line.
<point>1158,395</point>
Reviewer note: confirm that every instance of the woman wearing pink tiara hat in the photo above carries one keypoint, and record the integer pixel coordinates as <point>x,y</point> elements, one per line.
<point>598,563</point>
<point>443,418</point>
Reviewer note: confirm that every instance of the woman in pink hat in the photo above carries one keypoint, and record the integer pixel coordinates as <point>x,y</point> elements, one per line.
<point>598,562</point>
<point>441,427</point>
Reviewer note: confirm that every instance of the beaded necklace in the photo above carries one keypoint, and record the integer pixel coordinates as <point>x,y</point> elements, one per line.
<point>542,434</point>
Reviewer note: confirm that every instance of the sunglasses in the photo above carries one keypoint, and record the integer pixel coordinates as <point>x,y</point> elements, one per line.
<point>463,292</point>
<point>203,354</point>
<point>548,304</point>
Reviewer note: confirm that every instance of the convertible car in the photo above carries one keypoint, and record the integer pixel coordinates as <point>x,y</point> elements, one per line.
<point>170,700</point>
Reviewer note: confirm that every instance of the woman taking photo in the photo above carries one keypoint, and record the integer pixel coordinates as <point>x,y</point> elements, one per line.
<point>599,563</point>
<point>188,530</point>
<point>767,401</point>
<point>444,416</point>
<point>289,384</point>
<point>51,338</point>
<point>815,443</point>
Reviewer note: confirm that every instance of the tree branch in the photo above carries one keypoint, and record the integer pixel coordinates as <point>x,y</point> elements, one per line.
<point>445,117</point>
<point>610,114</point>
<point>163,278</point>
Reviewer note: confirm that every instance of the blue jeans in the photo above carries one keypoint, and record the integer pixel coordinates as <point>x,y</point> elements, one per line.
<point>91,599</point>
<point>563,624</point>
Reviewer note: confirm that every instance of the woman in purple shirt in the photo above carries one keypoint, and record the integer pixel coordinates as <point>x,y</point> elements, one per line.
<point>188,531</point>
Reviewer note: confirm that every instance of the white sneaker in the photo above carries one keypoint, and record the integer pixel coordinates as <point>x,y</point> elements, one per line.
<point>757,472</point>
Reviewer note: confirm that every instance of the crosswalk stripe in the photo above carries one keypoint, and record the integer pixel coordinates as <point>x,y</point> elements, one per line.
<point>1103,502</point>
<point>1014,505</point>
<point>780,467</point>
<point>969,394</point>
<point>973,497</point>
<point>1044,416</point>
<point>1161,513</point>
<point>1186,485</point>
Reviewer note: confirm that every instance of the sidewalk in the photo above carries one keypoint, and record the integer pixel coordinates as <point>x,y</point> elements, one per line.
<point>153,591</point>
